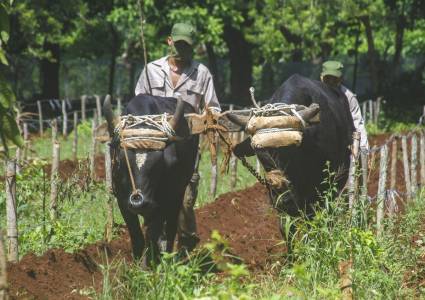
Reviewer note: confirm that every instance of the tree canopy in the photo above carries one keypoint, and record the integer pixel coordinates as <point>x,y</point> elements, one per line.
<point>9,130</point>
<point>243,43</point>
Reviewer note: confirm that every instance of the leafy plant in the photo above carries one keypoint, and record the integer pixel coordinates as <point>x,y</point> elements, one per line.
<point>9,131</point>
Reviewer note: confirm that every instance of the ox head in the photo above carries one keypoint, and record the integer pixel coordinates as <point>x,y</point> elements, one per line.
<point>273,148</point>
<point>147,166</point>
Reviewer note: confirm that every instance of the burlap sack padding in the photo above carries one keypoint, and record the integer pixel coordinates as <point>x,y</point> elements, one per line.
<point>143,144</point>
<point>277,179</point>
<point>276,139</point>
<point>145,132</point>
<point>256,123</point>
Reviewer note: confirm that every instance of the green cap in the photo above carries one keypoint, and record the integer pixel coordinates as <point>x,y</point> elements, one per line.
<point>332,67</point>
<point>183,32</point>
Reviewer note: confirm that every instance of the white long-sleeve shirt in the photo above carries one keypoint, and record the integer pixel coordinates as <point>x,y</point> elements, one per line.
<point>194,86</point>
<point>359,124</point>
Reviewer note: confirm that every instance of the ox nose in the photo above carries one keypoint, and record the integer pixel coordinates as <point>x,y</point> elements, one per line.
<point>137,201</point>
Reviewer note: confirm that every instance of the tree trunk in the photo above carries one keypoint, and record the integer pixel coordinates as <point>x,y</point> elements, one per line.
<point>296,40</point>
<point>131,77</point>
<point>213,67</point>
<point>240,53</point>
<point>356,58</point>
<point>49,69</point>
<point>267,81</point>
<point>112,64</point>
<point>371,53</point>
<point>401,24</point>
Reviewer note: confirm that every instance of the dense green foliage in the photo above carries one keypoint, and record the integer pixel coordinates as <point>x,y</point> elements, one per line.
<point>381,43</point>
<point>9,131</point>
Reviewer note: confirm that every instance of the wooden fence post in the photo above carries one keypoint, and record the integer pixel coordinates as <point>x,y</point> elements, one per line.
<point>377,109</point>
<point>414,165</point>
<point>234,136</point>
<point>364,157</point>
<point>119,106</point>
<point>371,111</point>
<point>406,167</point>
<point>109,206</point>
<point>381,188</point>
<point>54,125</point>
<point>393,171</point>
<point>99,109</point>
<point>40,117</point>
<point>75,140</point>
<point>93,148</point>
<point>11,215</point>
<point>214,167</point>
<point>64,120</point>
<point>352,171</point>
<point>422,158</point>
<point>234,163</point>
<point>364,108</point>
<point>19,151</point>
<point>26,141</point>
<point>83,107</point>
<point>3,270</point>
<point>54,178</point>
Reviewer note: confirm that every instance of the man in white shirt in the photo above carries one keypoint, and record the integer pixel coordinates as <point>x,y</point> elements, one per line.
<point>332,75</point>
<point>178,75</point>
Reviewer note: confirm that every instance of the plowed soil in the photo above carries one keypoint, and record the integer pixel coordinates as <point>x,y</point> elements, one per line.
<point>244,218</point>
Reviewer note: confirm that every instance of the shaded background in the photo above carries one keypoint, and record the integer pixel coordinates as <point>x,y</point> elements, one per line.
<point>63,49</point>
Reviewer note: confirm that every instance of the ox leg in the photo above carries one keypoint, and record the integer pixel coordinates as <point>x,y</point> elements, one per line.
<point>133,226</point>
<point>153,233</point>
<point>171,226</point>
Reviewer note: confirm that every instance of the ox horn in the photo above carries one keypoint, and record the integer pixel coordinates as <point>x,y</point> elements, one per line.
<point>310,114</point>
<point>238,119</point>
<point>109,115</point>
<point>178,114</point>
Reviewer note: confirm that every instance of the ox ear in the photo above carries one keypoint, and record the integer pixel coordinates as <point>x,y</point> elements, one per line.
<point>109,114</point>
<point>178,114</point>
<point>244,148</point>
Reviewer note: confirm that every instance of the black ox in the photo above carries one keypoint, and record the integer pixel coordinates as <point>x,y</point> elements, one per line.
<point>161,176</point>
<point>328,141</point>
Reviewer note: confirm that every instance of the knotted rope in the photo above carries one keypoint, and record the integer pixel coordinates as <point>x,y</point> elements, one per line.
<point>158,123</point>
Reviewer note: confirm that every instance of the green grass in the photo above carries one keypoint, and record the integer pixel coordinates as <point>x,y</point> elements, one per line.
<point>82,211</point>
<point>381,265</point>
<point>42,147</point>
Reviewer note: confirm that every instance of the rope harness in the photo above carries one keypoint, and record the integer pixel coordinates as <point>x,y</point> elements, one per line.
<point>274,178</point>
<point>153,132</point>
<point>159,123</point>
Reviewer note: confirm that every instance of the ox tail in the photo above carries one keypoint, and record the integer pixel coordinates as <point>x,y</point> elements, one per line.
<point>109,115</point>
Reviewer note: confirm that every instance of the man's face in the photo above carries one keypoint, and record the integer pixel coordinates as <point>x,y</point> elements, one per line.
<point>180,50</point>
<point>331,80</point>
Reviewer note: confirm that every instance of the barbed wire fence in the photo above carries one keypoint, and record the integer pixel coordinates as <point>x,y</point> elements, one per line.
<point>389,195</point>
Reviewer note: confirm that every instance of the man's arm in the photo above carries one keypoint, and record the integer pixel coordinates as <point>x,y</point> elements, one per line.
<point>357,118</point>
<point>210,96</point>
<point>141,86</point>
